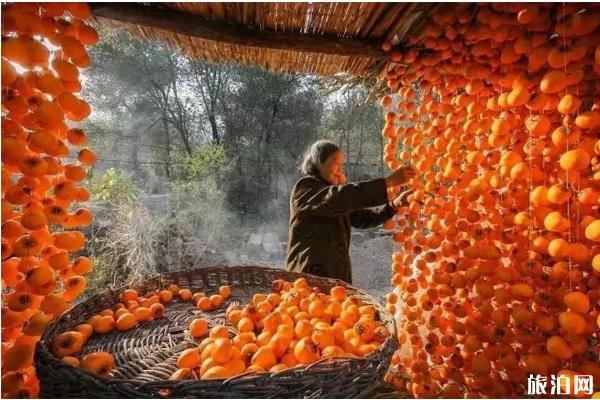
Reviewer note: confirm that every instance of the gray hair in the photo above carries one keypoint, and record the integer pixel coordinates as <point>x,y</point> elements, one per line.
<point>316,154</point>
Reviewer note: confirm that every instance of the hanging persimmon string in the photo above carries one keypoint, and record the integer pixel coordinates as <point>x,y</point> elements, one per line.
<point>496,107</point>
<point>43,48</point>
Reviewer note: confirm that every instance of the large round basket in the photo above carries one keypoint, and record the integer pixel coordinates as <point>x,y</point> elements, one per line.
<point>146,356</point>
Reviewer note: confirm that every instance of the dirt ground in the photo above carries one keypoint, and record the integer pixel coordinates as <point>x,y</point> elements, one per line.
<point>371,260</point>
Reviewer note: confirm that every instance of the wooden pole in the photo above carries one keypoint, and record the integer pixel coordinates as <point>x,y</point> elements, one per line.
<point>219,31</point>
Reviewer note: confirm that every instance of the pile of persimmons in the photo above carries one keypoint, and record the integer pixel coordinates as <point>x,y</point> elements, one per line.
<point>293,325</point>
<point>43,163</point>
<point>497,106</point>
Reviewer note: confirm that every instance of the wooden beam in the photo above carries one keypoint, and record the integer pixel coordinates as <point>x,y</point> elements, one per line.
<point>220,31</point>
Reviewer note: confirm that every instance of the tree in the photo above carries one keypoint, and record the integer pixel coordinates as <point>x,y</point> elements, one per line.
<point>353,122</point>
<point>211,150</point>
<point>269,119</point>
<point>211,82</point>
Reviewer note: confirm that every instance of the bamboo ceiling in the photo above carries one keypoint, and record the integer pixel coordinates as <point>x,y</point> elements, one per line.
<point>368,24</point>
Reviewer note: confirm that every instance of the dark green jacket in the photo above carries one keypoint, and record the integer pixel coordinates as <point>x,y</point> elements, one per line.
<point>321,216</point>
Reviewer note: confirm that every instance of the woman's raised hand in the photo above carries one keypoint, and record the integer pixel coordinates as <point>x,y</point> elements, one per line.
<point>341,179</point>
<point>402,198</point>
<point>400,176</point>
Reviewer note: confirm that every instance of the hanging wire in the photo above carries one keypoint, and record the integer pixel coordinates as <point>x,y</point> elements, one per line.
<point>127,161</point>
<point>567,174</point>
<point>530,185</point>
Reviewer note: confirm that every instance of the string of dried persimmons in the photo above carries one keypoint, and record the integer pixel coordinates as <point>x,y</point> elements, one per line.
<point>497,107</point>
<point>43,48</point>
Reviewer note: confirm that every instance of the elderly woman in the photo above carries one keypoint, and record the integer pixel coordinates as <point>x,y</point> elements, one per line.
<point>323,207</point>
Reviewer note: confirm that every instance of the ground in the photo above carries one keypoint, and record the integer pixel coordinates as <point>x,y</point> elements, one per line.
<point>371,261</point>
<point>370,251</point>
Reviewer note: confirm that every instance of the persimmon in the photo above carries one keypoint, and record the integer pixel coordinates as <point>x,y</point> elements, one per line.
<point>198,328</point>
<point>247,351</point>
<point>21,301</point>
<point>264,358</point>
<point>558,348</point>
<point>556,222</point>
<point>219,331</point>
<point>17,357</point>
<point>569,104</point>
<point>592,231</point>
<point>197,296</point>
<point>303,328</point>
<point>349,316</point>
<point>12,381</point>
<point>86,34</point>
<point>204,304</point>
<point>183,374</point>
<point>86,156</point>
<point>12,319</point>
<point>572,323</point>
<point>365,330</point>
<point>574,160</point>
<point>26,245</point>
<point>216,300</point>
<point>157,310</point>
<point>36,324</point>
<point>577,302</point>
<point>338,293</point>
<point>65,70</point>
<point>185,294</point>
<point>74,286</point>
<point>39,276</point>
<point>129,294</point>
<point>189,358</point>
<point>166,296</point>
<point>85,329</point>
<point>225,291</point>
<point>143,314</point>
<point>221,350</point>
<point>553,82</point>
<point>33,165</point>
<point>55,213</point>
<point>216,372</point>
<point>119,309</point>
<point>380,334</point>
<point>305,351</point>
<point>33,219</point>
<point>522,291</point>
<point>67,344</point>
<point>70,241</point>
<point>322,336</point>
<point>99,362</point>
<point>104,324</point>
<point>588,120</point>
<point>316,309</point>
<point>126,321</point>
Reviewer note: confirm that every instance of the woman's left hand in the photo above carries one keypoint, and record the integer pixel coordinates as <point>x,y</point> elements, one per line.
<point>402,198</point>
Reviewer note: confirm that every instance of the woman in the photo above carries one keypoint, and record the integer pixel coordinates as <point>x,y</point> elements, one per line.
<point>323,207</point>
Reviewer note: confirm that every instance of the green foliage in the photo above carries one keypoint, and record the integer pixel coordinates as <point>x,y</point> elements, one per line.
<point>201,170</point>
<point>202,163</point>
<point>113,186</point>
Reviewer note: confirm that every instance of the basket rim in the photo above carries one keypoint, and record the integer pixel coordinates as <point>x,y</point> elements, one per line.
<point>42,349</point>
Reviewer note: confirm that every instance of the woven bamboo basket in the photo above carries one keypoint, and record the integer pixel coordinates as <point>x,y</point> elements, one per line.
<point>146,356</point>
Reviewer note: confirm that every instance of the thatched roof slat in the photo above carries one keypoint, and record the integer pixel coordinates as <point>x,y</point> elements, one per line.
<point>353,31</point>
<point>375,14</point>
